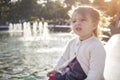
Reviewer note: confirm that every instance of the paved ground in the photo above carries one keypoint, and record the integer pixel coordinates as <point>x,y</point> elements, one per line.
<point>112,67</point>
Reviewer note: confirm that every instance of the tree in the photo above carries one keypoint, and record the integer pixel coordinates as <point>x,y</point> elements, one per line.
<point>71,3</point>
<point>114,7</point>
<point>28,9</point>
<point>14,14</point>
<point>100,4</point>
<point>4,10</point>
<point>54,10</point>
<point>24,10</point>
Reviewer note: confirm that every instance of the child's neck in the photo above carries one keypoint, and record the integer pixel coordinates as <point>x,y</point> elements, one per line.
<point>85,37</point>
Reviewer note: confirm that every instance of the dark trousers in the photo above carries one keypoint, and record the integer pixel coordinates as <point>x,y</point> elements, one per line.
<point>75,72</point>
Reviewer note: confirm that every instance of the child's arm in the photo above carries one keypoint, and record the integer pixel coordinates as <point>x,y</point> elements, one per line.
<point>97,63</point>
<point>64,57</point>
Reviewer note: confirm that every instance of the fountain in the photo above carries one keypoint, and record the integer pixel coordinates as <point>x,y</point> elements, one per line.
<point>40,28</point>
<point>27,33</point>
<point>35,27</point>
<point>33,32</point>
<point>46,32</point>
<point>31,54</point>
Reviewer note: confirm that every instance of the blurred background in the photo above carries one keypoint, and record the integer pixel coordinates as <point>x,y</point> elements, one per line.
<point>33,34</point>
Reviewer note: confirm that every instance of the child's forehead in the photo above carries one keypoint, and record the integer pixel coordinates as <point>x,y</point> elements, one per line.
<point>83,12</point>
<point>80,15</point>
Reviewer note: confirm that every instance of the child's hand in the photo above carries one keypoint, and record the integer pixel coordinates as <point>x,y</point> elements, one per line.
<point>51,73</point>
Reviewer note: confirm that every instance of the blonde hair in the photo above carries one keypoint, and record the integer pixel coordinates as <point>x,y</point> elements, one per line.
<point>94,14</point>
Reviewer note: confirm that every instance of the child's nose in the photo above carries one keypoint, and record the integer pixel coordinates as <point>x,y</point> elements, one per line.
<point>77,23</point>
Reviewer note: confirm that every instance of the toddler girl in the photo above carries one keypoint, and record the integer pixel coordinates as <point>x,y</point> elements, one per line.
<point>84,56</point>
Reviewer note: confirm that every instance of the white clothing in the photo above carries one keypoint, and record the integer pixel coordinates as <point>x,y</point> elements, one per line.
<point>90,53</point>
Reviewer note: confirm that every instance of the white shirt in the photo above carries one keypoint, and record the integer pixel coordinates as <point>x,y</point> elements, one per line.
<point>90,53</point>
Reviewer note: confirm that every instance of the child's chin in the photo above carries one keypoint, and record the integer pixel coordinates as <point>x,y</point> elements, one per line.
<point>77,33</point>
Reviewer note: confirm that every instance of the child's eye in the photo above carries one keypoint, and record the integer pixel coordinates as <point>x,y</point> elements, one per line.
<point>83,19</point>
<point>73,21</point>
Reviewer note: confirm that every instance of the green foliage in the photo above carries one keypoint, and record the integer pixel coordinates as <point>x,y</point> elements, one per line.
<point>23,10</point>
<point>53,10</point>
<point>4,10</point>
<point>71,3</point>
<point>30,10</point>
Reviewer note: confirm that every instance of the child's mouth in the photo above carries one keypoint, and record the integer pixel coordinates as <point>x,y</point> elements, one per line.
<point>78,29</point>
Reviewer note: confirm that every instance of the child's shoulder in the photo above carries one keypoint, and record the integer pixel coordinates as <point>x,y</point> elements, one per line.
<point>73,41</point>
<point>96,43</point>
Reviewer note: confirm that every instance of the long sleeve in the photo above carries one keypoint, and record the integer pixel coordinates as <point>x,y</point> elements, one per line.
<point>64,57</point>
<point>97,63</point>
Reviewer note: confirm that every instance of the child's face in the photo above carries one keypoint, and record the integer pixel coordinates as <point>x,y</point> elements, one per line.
<point>83,26</point>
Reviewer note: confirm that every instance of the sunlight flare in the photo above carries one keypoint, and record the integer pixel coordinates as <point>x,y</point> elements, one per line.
<point>107,0</point>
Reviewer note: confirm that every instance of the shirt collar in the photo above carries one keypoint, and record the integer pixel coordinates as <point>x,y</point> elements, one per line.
<point>78,42</point>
